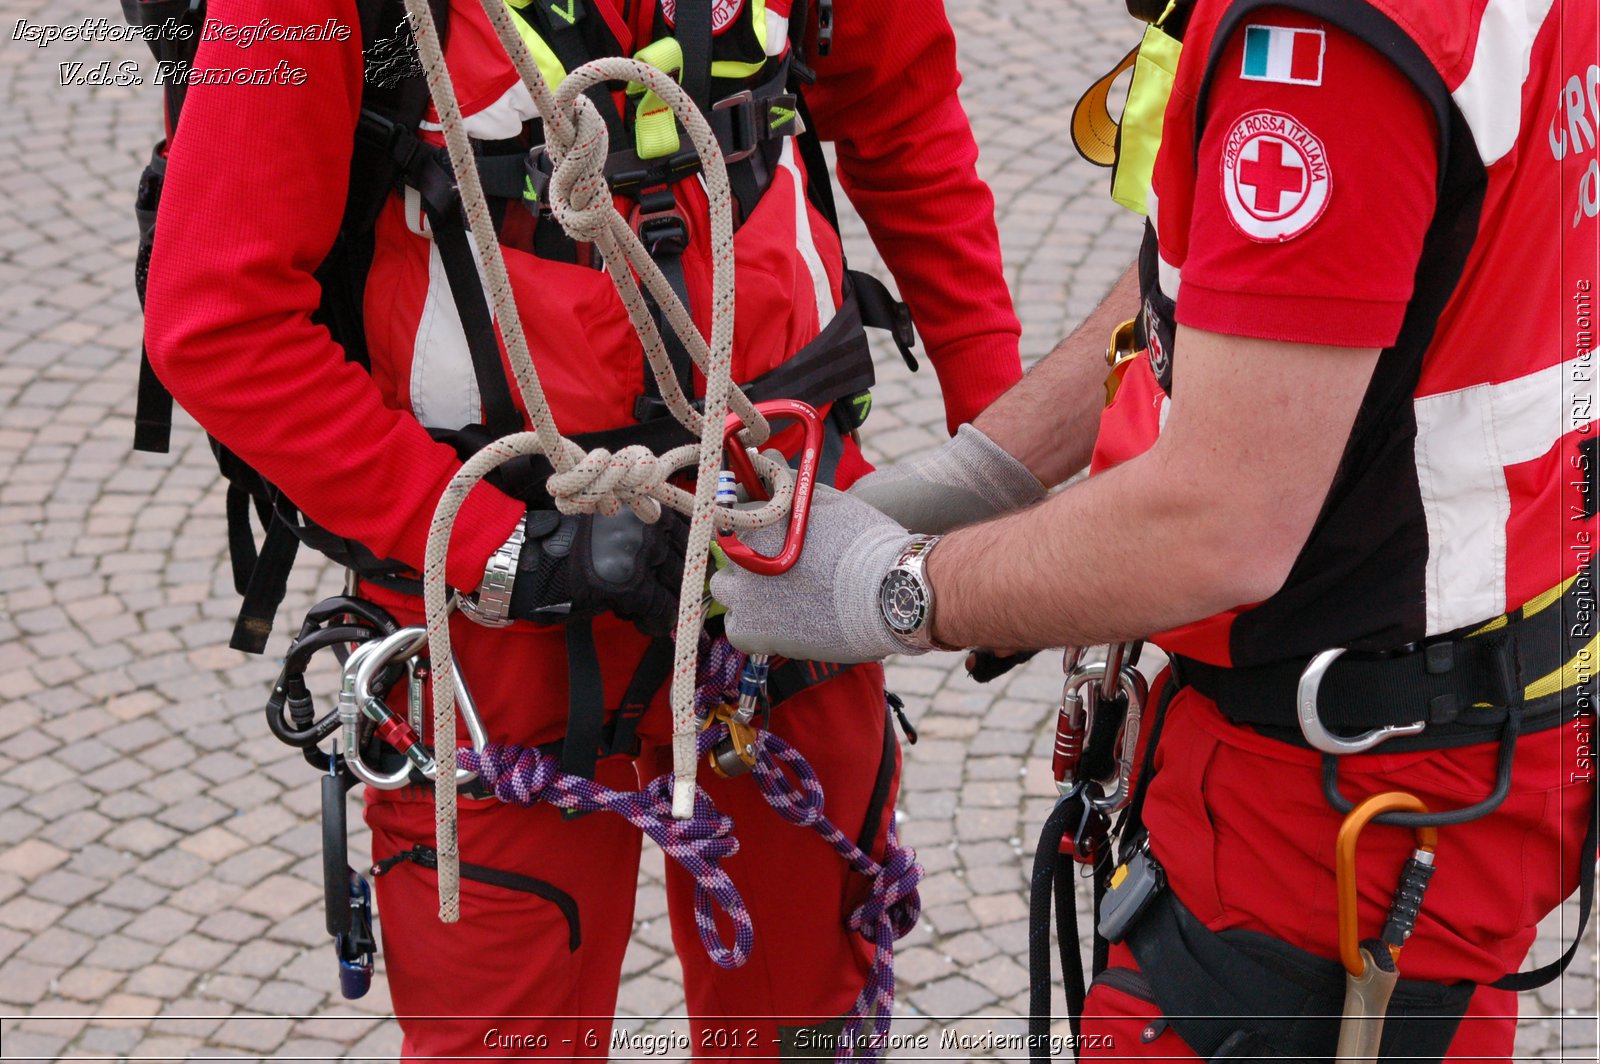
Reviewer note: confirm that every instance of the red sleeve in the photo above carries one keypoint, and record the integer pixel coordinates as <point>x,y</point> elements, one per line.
<point>254,192</point>
<point>886,95</point>
<point>1315,185</point>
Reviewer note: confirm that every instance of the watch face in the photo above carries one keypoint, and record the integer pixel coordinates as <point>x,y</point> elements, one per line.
<point>902,600</point>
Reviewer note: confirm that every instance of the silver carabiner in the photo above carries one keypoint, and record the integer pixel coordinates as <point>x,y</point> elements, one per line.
<point>1311,726</point>
<point>1133,686</point>
<point>356,698</point>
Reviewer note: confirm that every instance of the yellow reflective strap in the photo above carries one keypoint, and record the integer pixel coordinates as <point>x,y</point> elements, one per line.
<point>543,57</point>
<point>655,129</point>
<point>758,20</point>
<point>728,68</point>
<point>1155,69</point>
<point>1580,670</point>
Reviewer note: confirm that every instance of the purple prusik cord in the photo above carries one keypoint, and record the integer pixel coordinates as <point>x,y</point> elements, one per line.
<point>524,776</point>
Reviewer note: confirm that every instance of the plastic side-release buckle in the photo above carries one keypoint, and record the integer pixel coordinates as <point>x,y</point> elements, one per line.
<point>658,222</point>
<point>824,27</point>
<point>804,485</point>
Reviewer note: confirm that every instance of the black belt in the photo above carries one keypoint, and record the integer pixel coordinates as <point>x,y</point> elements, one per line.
<point>1463,687</point>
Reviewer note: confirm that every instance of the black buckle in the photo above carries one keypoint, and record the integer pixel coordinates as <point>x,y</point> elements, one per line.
<point>824,27</point>
<point>743,134</point>
<point>627,173</point>
<point>659,224</point>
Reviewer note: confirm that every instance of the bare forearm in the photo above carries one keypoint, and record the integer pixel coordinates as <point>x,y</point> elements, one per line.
<point>1076,570</point>
<point>1048,419</point>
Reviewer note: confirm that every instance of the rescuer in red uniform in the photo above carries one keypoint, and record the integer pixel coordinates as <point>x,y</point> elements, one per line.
<point>1364,422</point>
<point>254,193</point>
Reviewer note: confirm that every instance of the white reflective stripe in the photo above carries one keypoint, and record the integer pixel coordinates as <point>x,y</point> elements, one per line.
<point>1490,96</point>
<point>777,33</point>
<point>803,241</point>
<point>1167,275</point>
<point>444,389</point>
<point>1465,441</point>
<point>501,120</point>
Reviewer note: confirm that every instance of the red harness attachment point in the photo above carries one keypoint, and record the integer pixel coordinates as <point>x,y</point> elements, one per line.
<point>805,484</point>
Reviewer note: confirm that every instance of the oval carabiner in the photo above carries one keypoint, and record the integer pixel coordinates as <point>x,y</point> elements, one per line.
<point>1133,686</point>
<point>1345,865</point>
<point>805,483</point>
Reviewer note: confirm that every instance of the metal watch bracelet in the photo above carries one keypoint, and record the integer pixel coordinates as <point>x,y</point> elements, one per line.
<point>490,605</point>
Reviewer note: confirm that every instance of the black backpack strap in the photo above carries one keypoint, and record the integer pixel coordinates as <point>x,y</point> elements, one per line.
<point>576,38</point>
<point>152,416</point>
<point>269,582</point>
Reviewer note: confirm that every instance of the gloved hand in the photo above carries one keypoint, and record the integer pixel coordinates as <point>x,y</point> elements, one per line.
<point>584,565</point>
<point>970,478</point>
<point>826,607</point>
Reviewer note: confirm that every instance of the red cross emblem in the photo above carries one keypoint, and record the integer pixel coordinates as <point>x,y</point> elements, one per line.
<point>1275,176</point>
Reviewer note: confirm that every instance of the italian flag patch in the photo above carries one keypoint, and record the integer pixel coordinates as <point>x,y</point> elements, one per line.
<point>1284,54</point>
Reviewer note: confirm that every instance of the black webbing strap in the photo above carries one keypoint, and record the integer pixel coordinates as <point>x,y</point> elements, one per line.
<point>693,32</point>
<point>666,246</point>
<point>1462,687</point>
<point>878,801</point>
<point>586,701</point>
<point>1549,973</point>
<point>622,734</point>
<point>436,187</point>
<point>269,582</point>
<point>428,857</point>
<point>819,184</point>
<point>881,310</point>
<point>1242,994</point>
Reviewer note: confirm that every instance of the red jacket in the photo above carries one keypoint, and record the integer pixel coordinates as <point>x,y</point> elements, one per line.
<point>253,198</point>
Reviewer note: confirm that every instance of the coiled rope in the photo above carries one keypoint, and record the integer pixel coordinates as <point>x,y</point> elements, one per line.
<point>598,481</point>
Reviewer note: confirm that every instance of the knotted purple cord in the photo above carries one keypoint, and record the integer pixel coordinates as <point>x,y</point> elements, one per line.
<point>524,776</point>
<point>891,909</point>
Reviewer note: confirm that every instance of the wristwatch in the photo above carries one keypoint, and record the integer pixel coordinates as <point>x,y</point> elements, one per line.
<point>490,605</point>
<point>906,597</point>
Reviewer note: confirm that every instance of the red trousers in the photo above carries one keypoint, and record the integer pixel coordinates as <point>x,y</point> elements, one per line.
<point>1240,825</point>
<point>526,975</point>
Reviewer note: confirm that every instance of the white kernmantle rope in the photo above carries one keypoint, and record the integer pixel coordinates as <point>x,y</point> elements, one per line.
<point>578,144</point>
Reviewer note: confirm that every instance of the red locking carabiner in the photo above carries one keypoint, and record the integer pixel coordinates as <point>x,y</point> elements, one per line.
<point>805,483</point>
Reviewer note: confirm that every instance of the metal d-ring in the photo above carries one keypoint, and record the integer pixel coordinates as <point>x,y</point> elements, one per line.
<point>1311,727</point>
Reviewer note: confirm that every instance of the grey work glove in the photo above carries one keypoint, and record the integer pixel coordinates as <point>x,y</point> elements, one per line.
<point>970,478</point>
<point>826,607</point>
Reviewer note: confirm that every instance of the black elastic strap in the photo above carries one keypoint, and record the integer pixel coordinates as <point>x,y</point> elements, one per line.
<point>269,582</point>
<point>1549,973</point>
<point>622,734</point>
<point>586,701</point>
<point>693,32</point>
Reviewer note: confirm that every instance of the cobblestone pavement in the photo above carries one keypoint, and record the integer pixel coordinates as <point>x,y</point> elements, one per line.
<point>159,875</point>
